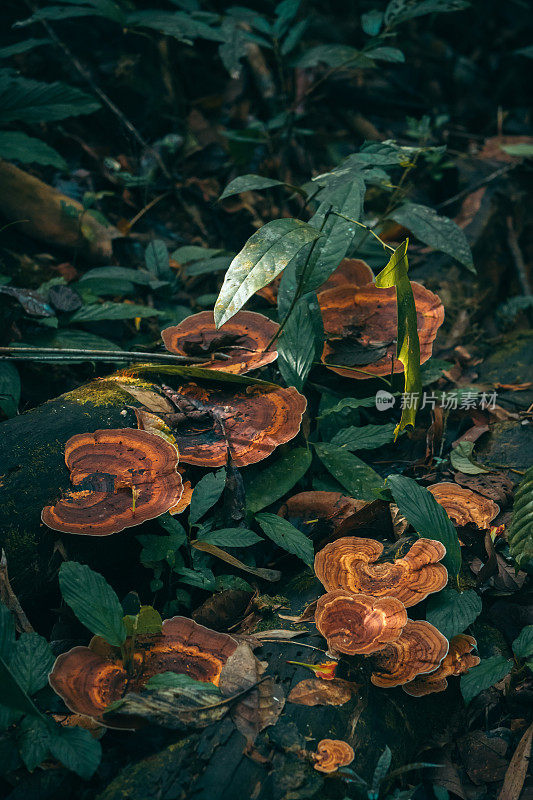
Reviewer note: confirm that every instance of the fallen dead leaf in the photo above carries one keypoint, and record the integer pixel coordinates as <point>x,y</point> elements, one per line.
<point>316,692</point>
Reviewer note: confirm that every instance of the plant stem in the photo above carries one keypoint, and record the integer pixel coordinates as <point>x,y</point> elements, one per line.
<point>369,230</point>
<point>75,354</point>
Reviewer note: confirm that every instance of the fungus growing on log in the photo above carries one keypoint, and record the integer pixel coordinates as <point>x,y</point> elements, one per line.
<point>463,505</point>
<point>332,754</point>
<point>419,650</point>
<point>88,681</point>
<point>324,512</point>
<point>458,661</point>
<point>357,623</point>
<point>210,423</point>
<point>122,477</point>
<point>244,338</point>
<point>349,563</point>
<point>361,328</point>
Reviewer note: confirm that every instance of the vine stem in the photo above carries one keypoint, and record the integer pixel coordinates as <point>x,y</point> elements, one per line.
<point>68,354</point>
<point>369,230</point>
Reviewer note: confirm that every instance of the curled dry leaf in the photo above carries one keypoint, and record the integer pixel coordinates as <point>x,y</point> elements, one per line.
<point>419,650</point>
<point>316,692</point>
<point>320,514</point>
<point>122,477</point>
<point>463,505</point>
<point>458,660</point>
<point>496,486</point>
<point>350,563</point>
<point>358,623</point>
<point>361,328</point>
<point>332,754</point>
<point>244,339</point>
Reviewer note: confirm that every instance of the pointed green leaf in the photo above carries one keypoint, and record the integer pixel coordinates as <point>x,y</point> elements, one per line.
<point>441,233</point>
<point>248,183</point>
<point>33,738</point>
<point>31,661</point>
<point>367,437</point>
<point>452,612</point>
<point>486,674</point>
<point>266,484</point>
<point>76,749</point>
<point>93,601</point>
<point>287,536</point>
<point>354,475</point>
<point>18,146</point>
<point>206,493</point>
<point>523,644</point>
<point>230,537</point>
<point>296,346</point>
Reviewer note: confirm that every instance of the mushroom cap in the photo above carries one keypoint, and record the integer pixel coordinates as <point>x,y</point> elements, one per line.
<point>89,681</point>
<point>358,623</point>
<point>329,510</point>
<point>369,315</point>
<point>123,477</point>
<point>349,563</point>
<point>244,338</point>
<point>186,497</point>
<point>351,271</point>
<point>251,423</point>
<point>332,754</point>
<point>463,505</point>
<point>419,650</point>
<point>458,660</point>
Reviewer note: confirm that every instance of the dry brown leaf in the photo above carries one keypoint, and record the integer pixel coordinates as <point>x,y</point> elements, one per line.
<point>315,692</point>
<point>212,549</point>
<point>148,398</point>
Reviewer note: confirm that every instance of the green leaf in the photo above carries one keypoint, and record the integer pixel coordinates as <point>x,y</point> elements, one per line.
<point>523,150</point>
<point>230,537</point>
<point>267,484</point>
<point>95,312</point>
<point>162,548</point>
<point>349,402</point>
<point>334,55</point>
<point>399,11</point>
<point>427,517</point>
<point>523,644</point>
<point>452,612</point>
<point>441,233</point>
<point>140,276</point>
<point>296,346</point>
<point>93,601</point>
<point>31,661</point>
<point>76,749</point>
<point>248,183</point>
<point>354,475</point>
<point>408,346</point>
<point>18,146</point>
<point>12,695</point>
<point>33,738</point>
<point>287,536</point>
<point>371,22</point>
<point>33,101</point>
<point>263,257</point>
<point>171,680</point>
<point>382,767</point>
<point>147,621</point>
<point>368,437</point>
<point>156,259</point>
<point>391,54</point>
<point>461,459</point>
<point>7,631</point>
<point>9,388</point>
<point>487,673</point>
<point>22,47</point>
<point>206,493</point>
<point>520,533</point>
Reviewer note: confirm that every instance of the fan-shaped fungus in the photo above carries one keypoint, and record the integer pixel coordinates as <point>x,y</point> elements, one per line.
<point>332,754</point>
<point>244,338</point>
<point>358,623</point>
<point>463,505</point>
<point>122,478</point>
<point>419,650</point>
<point>349,563</point>
<point>458,661</point>
<point>361,328</point>
<point>249,424</point>
<point>89,681</point>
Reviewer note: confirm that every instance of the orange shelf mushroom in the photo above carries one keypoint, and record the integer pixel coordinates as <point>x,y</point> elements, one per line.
<point>458,661</point>
<point>463,505</point>
<point>89,681</point>
<point>332,754</point>
<point>361,328</point>
<point>249,424</point>
<point>122,477</point>
<point>350,564</point>
<point>357,623</point>
<point>328,511</point>
<point>244,338</point>
<point>419,650</point>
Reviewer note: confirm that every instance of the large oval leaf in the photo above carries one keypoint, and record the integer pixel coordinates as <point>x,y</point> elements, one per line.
<point>93,601</point>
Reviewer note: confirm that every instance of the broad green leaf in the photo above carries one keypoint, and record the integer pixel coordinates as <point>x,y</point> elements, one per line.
<point>12,695</point>
<point>162,548</point>
<point>31,661</point>
<point>76,749</point>
<point>9,388</point>
<point>7,632</point>
<point>427,517</point>
<point>296,346</point>
<point>367,437</point>
<point>206,493</point>
<point>354,475</point>
<point>180,25</point>
<point>408,345</point>
<point>262,258</point>
<point>522,150</point>
<point>486,674</point>
<point>520,533</point>
<point>462,460</point>
<point>230,537</point>
<point>267,484</point>
<point>93,601</point>
<point>140,276</point>
<point>183,683</point>
<point>18,146</point>
<point>33,738</point>
<point>156,259</point>
<point>208,265</point>
<point>399,11</point>
<point>248,183</point>
<point>523,644</point>
<point>452,612</point>
<point>192,252</point>
<point>441,233</point>
<point>287,536</point>
<point>349,402</point>
<point>33,101</point>
<point>371,22</point>
<point>95,312</point>
<point>147,621</point>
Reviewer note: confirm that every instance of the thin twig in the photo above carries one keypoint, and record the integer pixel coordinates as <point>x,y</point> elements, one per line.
<point>10,599</point>
<point>74,354</point>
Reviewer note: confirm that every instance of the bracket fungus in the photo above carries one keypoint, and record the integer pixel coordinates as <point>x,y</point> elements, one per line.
<point>361,328</point>
<point>332,754</point>
<point>88,681</point>
<point>210,424</point>
<point>419,650</point>
<point>122,477</point>
<point>350,563</point>
<point>463,505</point>
<point>458,660</point>
<point>244,338</point>
<point>357,623</point>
